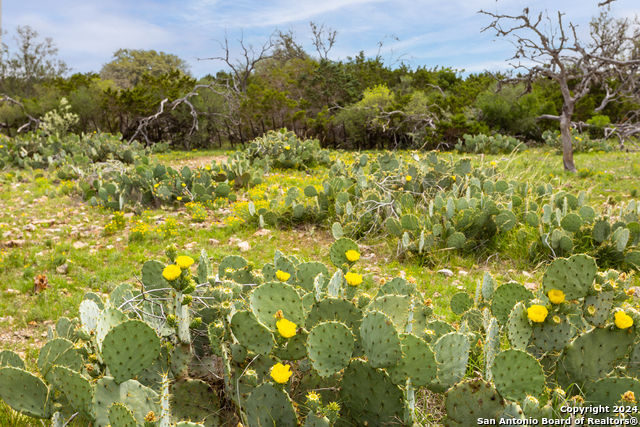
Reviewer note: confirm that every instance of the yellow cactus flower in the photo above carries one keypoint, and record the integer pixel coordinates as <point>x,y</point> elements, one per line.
<point>283,276</point>
<point>623,320</point>
<point>179,198</point>
<point>493,163</point>
<point>281,373</point>
<point>630,292</point>
<point>556,296</point>
<point>171,272</point>
<point>408,178</point>
<point>313,397</point>
<point>537,313</point>
<point>286,328</point>
<point>184,262</point>
<point>184,185</point>
<point>288,147</point>
<point>352,255</point>
<point>353,279</point>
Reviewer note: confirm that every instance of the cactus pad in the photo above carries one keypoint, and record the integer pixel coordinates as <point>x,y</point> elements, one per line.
<point>234,262</point>
<point>394,306</point>
<point>471,400</point>
<point>267,405</point>
<point>138,398</point>
<point>330,347</point>
<point>506,297</point>
<point>452,355</point>
<point>269,298</point>
<point>601,303</point>
<point>129,348</point>
<point>76,388</point>
<point>251,333</point>
<point>24,392</point>
<point>340,310</point>
<point>518,327</point>
<point>107,319</point>
<point>58,352</point>
<point>460,303</point>
<point>551,336</point>
<point>491,347</point>
<point>194,400</point>
<point>571,222</point>
<point>89,312</point>
<point>369,396</point>
<point>10,358</point>
<point>608,391</point>
<point>338,251</point>
<point>380,340</point>
<point>573,276</point>
<point>418,363</point>
<point>592,355</point>
<point>121,416</point>
<point>307,272</point>
<point>517,375</point>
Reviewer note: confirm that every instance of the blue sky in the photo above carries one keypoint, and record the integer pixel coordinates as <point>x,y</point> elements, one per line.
<point>427,33</point>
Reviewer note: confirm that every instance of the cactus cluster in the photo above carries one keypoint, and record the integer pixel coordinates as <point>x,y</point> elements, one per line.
<point>487,144</point>
<point>283,150</point>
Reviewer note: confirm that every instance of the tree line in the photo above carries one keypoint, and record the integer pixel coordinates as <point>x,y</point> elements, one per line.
<point>357,103</point>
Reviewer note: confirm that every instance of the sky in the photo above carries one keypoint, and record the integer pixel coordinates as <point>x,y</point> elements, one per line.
<point>445,33</point>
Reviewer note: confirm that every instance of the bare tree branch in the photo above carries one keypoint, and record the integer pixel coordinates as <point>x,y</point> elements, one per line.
<point>6,98</point>
<point>323,39</point>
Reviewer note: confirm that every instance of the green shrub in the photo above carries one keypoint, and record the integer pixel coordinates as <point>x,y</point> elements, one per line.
<point>581,142</point>
<point>489,144</point>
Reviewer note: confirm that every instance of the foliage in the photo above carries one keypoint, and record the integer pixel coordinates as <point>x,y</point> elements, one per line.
<point>59,122</point>
<point>129,65</point>
<point>283,150</point>
<point>581,142</point>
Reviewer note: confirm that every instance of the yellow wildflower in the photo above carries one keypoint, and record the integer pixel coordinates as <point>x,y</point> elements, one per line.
<point>171,272</point>
<point>556,296</point>
<point>283,276</point>
<point>286,328</point>
<point>352,255</point>
<point>184,261</point>
<point>281,373</point>
<point>623,320</point>
<point>353,279</point>
<point>537,313</point>
<point>184,185</point>
<point>288,147</point>
<point>179,197</point>
<point>313,397</point>
<point>408,178</point>
<point>493,163</point>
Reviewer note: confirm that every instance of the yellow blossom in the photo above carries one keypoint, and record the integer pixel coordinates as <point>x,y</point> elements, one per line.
<point>408,178</point>
<point>281,373</point>
<point>537,313</point>
<point>352,255</point>
<point>556,296</point>
<point>283,276</point>
<point>493,163</point>
<point>184,261</point>
<point>184,185</point>
<point>313,397</point>
<point>288,147</point>
<point>630,292</point>
<point>353,279</point>
<point>171,272</point>
<point>179,198</point>
<point>623,320</point>
<point>286,328</point>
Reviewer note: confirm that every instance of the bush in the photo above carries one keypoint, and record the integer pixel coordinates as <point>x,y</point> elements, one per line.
<point>581,142</point>
<point>489,144</point>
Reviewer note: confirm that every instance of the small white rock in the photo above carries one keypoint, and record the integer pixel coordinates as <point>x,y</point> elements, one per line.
<point>244,246</point>
<point>445,272</point>
<point>214,242</point>
<point>79,245</point>
<point>463,273</point>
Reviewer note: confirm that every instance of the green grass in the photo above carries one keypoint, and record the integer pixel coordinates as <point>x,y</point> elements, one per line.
<point>99,262</point>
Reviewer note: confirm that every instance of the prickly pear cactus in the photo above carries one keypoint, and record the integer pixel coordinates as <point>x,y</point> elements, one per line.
<point>506,297</point>
<point>25,392</point>
<point>251,333</point>
<point>368,395</point>
<point>573,276</point>
<point>330,347</point>
<point>517,375</point>
<point>471,400</point>
<point>418,363</point>
<point>518,328</point>
<point>268,405</point>
<point>194,400</point>
<point>380,340</point>
<point>269,298</point>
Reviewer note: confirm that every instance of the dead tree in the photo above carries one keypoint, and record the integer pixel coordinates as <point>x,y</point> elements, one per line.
<point>545,48</point>
<point>242,69</point>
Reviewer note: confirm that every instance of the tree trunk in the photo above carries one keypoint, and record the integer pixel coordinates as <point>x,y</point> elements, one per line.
<point>567,143</point>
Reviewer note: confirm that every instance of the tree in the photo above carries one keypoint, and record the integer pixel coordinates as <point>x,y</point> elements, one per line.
<point>556,53</point>
<point>32,63</point>
<point>129,65</point>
